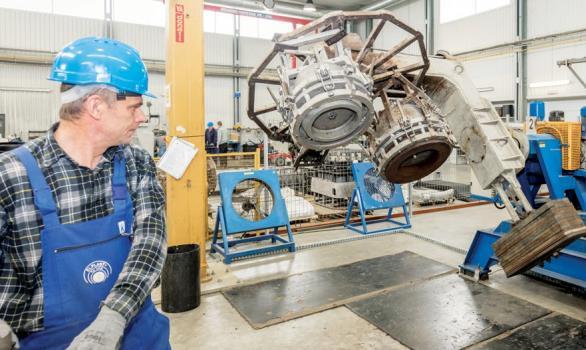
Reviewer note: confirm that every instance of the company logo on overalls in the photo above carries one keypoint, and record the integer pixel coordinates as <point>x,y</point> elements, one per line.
<point>97,272</point>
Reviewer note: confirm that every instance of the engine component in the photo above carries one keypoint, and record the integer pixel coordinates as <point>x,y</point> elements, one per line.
<point>328,81</point>
<point>411,138</point>
<point>332,101</point>
<point>427,104</point>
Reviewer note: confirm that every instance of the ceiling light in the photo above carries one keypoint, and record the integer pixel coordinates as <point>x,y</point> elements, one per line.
<point>309,6</point>
<point>549,83</point>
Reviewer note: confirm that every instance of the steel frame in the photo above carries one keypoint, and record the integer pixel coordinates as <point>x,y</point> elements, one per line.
<point>331,29</point>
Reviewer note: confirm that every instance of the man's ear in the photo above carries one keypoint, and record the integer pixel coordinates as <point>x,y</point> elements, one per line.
<point>95,106</point>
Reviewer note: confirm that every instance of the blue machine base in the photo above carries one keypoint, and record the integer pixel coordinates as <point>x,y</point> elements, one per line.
<point>362,226</point>
<point>568,266</point>
<point>224,244</point>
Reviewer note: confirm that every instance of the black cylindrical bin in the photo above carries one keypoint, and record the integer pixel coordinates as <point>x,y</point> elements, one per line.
<point>180,284</point>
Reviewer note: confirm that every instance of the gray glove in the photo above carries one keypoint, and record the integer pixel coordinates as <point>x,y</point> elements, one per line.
<point>105,333</point>
<point>8,339</point>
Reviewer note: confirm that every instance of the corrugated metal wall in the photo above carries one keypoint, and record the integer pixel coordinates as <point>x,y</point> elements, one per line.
<point>34,110</point>
<point>44,32</point>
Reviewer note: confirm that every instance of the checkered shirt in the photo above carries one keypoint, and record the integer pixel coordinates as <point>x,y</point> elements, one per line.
<point>81,194</point>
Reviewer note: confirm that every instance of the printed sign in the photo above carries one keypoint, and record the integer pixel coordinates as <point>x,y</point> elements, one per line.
<point>179,23</point>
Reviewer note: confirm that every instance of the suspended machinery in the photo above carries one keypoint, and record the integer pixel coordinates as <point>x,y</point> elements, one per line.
<point>330,87</point>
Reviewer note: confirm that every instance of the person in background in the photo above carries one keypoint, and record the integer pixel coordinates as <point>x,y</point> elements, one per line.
<point>222,142</point>
<point>82,215</point>
<point>211,138</point>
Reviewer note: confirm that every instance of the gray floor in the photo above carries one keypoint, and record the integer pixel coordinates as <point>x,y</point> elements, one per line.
<point>217,325</point>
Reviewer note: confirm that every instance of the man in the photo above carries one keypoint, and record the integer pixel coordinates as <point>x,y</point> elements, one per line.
<point>222,138</point>
<point>222,142</point>
<point>211,137</point>
<point>82,229</point>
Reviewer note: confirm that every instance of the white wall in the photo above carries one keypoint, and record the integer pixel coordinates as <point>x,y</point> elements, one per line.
<point>498,26</point>
<point>494,72</point>
<point>27,110</point>
<point>413,14</point>
<point>485,29</point>
<point>551,17</point>
<point>571,108</point>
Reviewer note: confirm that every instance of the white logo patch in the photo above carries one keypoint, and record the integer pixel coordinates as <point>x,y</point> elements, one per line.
<point>97,272</point>
<point>121,227</point>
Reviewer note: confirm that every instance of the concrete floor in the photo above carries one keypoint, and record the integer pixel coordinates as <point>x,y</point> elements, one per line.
<point>217,325</point>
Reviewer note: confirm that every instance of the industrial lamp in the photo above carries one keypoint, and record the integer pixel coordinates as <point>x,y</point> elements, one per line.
<point>309,6</point>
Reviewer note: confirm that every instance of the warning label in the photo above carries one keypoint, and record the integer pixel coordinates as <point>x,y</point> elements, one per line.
<point>179,23</point>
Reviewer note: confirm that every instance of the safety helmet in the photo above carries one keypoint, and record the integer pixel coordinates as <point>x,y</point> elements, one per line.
<point>94,60</point>
<point>210,124</point>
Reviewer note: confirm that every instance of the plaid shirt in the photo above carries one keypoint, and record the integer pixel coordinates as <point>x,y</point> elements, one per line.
<point>82,194</point>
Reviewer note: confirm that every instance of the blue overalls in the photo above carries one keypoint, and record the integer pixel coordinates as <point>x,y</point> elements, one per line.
<point>81,263</point>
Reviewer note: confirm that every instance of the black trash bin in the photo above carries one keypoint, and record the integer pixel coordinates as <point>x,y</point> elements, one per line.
<point>180,283</point>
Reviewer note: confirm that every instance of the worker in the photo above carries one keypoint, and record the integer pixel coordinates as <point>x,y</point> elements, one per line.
<point>82,228</point>
<point>222,143</point>
<point>211,138</point>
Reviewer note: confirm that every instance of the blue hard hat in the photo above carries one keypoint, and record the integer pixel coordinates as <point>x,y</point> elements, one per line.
<point>95,60</point>
<point>210,124</point>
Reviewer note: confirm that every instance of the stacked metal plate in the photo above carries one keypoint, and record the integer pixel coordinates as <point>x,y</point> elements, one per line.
<point>535,238</point>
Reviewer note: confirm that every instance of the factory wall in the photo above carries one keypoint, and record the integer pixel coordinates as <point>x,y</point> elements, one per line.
<point>552,17</point>
<point>497,71</point>
<point>31,103</point>
<point>412,14</point>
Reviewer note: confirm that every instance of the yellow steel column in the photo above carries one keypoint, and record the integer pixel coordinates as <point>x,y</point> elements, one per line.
<point>187,198</point>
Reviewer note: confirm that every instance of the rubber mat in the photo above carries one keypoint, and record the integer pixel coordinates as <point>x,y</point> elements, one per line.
<point>446,313</point>
<point>555,332</point>
<point>276,301</point>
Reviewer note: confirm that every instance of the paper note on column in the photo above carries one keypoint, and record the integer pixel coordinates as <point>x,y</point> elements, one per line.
<point>177,157</point>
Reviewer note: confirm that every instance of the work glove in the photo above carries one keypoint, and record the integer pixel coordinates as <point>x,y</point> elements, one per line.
<point>105,333</point>
<point>8,339</point>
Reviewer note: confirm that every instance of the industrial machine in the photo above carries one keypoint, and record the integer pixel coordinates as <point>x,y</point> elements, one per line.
<point>251,202</point>
<point>372,192</point>
<point>543,167</point>
<point>334,87</point>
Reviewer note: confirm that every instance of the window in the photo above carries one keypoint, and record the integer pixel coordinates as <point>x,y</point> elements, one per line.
<point>86,9</point>
<point>487,5</point>
<point>209,21</point>
<point>451,10</point>
<point>268,28</point>
<point>31,5</point>
<point>224,23</point>
<point>147,12</point>
<point>248,26</point>
<point>218,22</point>
<point>262,28</point>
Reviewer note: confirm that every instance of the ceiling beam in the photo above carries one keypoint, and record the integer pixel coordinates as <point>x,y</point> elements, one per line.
<point>280,8</point>
<point>385,5</point>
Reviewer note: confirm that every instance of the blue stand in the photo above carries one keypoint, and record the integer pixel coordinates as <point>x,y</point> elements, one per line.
<point>543,166</point>
<point>365,202</point>
<point>228,222</point>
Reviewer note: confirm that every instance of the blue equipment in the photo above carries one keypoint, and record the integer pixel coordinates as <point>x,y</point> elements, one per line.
<point>230,222</point>
<point>95,60</point>
<point>543,166</point>
<point>537,109</point>
<point>373,192</point>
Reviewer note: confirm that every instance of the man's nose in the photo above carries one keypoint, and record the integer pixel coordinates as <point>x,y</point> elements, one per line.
<point>140,117</point>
